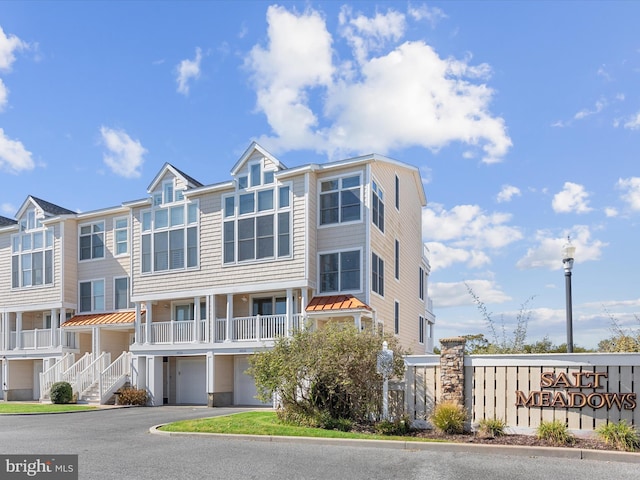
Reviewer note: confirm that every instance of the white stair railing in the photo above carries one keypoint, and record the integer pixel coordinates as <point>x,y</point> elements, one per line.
<point>54,374</point>
<point>115,376</point>
<point>91,374</point>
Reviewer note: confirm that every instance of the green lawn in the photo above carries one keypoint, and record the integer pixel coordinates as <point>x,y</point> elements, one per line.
<point>265,423</point>
<point>20,407</point>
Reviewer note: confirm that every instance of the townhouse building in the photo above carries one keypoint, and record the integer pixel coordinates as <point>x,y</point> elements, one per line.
<point>173,292</point>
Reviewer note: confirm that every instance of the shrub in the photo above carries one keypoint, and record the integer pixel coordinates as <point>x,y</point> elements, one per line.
<point>555,432</point>
<point>330,423</point>
<point>449,417</point>
<point>621,435</point>
<point>491,427</point>
<point>400,426</point>
<point>133,396</point>
<point>61,392</point>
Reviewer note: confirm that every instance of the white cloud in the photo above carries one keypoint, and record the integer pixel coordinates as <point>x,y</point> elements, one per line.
<point>572,198</point>
<point>125,155</point>
<point>8,46</point>
<point>457,294</point>
<point>443,256</point>
<point>4,94</point>
<point>507,193</point>
<point>611,212</point>
<point>431,14</point>
<point>14,158</point>
<point>584,113</point>
<point>408,96</point>
<point>631,191</point>
<point>468,226</point>
<point>188,70</point>
<point>633,123</point>
<point>547,253</point>
<point>8,209</point>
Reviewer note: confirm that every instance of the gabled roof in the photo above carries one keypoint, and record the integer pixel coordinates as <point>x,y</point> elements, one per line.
<point>50,209</point>
<point>192,182</point>
<point>4,221</point>
<point>335,303</point>
<point>254,147</point>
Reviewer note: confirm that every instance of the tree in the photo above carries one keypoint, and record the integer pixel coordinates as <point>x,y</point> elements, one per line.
<point>621,340</point>
<point>329,372</point>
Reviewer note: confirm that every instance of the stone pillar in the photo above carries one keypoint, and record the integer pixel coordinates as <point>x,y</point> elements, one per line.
<point>452,370</point>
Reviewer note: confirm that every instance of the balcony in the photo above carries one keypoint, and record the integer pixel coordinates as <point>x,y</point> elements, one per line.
<point>38,339</point>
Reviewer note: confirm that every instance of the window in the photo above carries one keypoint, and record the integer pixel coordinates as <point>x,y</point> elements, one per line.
<point>340,200</point>
<point>248,236</point>
<point>121,293</point>
<point>420,329</point>
<point>32,255</point>
<point>340,272</point>
<point>377,206</point>
<point>170,241</point>
<point>397,192</point>
<point>377,274</point>
<point>91,241</point>
<point>121,235</point>
<point>92,296</point>
<point>421,283</point>
<point>183,312</point>
<point>397,258</point>
<point>396,318</point>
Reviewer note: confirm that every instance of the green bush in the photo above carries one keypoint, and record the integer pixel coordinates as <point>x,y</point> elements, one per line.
<point>449,417</point>
<point>132,396</point>
<point>330,423</point>
<point>621,435</point>
<point>61,392</point>
<point>491,427</point>
<point>555,432</point>
<point>400,426</point>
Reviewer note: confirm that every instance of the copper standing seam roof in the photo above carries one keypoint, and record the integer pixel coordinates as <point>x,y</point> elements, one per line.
<point>336,302</point>
<point>117,318</point>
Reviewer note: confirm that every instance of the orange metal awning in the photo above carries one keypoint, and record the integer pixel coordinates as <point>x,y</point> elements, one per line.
<point>117,318</point>
<point>335,303</point>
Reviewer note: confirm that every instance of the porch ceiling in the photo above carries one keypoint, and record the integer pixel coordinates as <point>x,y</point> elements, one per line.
<point>335,304</point>
<point>117,318</point>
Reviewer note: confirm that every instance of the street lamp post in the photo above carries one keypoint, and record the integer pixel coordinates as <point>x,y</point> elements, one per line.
<point>568,252</point>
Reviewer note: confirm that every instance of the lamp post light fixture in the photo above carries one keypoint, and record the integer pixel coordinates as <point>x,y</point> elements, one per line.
<point>568,252</point>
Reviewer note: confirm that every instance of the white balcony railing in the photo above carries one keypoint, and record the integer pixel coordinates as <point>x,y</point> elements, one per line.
<point>31,339</point>
<point>175,332</point>
<point>256,328</point>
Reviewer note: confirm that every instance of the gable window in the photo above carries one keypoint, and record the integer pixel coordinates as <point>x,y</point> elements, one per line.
<point>121,293</point>
<point>377,206</point>
<point>377,274</point>
<point>340,271</point>
<point>91,241</point>
<point>170,238</point>
<point>257,233</point>
<point>340,200</point>
<point>92,296</point>
<point>32,255</point>
<point>121,235</point>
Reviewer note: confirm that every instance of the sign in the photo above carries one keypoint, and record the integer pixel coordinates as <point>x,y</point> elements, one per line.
<point>52,467</point>
<point>561,390</point>
<point>384,365</point>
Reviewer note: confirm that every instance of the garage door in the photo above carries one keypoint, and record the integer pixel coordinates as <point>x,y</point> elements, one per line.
<point>192,381</point>
<point>244,391</point>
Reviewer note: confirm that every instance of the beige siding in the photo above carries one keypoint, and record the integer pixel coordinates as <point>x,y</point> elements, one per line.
<point>223,373</point>
<point>20,374</point>
<point>115,342</point>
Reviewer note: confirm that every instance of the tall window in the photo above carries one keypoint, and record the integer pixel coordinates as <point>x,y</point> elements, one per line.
<point>121,235</point>
<point>91,241</point>
<point>121,293</point>
<point>397,260</point>
<point>397,192</point>
<point>420,329</point>
<point>260,227</point>
<point>396,318</point>
<point>421,283</point>
<point>340,200</point>
<point>32,254</point>
<point>170,234</point>
<point>92,296</point>
<point>377,206</point>
<point>377,274</point>
<point>340,272</point>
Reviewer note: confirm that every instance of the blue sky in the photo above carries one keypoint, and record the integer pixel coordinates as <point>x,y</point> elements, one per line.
<point>523,117</point>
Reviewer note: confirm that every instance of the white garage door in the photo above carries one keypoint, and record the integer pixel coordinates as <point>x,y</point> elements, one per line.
<point>244,391</point>
<point>192,381</point>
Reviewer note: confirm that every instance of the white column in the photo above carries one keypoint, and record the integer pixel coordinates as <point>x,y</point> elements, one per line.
<point>95,345</point>
<point>196,319</point>
<point>289,310</point>
<point>62,317</point>
<point>358,321</point>
<point>303,307</point>
<point>6,331</point>
<point>137,323</point>
<point>148,319</point>
<point>5,376</point>
<point>211,377</point>
<point>18,330</point>
<point>154,380</point>
<point>211,318</point>
<point>55,320</point>
<point>229,317</point>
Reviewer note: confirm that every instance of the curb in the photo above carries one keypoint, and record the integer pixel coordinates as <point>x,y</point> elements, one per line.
<point>514,450</point>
